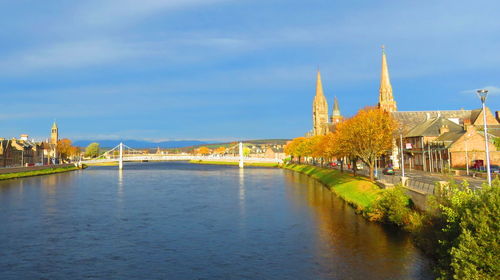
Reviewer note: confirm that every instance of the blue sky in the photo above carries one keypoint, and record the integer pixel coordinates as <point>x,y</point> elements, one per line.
<point>233,69</point>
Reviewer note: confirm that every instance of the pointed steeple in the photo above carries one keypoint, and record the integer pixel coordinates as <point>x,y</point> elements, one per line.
<point>386,99</point>
<point>319,85</point>
<point>336,116</point>
<point>336,109</point>
<point>54,125</point>
<point>320,109</point>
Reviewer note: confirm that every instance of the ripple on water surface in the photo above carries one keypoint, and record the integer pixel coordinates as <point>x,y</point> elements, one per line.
<point>183,221</point>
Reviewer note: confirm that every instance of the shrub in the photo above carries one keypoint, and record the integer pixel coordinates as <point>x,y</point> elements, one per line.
<point>392,207</point>
<point>476,252</point>
<point>462,231</point>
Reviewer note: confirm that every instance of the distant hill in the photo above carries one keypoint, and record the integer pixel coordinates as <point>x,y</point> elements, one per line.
<point>138,144</point>
<point>229,144</point>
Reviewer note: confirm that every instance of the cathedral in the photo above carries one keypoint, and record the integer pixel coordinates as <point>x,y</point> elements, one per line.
<point>435,140</point>
<point>431,140</point>
<point>322,124</point>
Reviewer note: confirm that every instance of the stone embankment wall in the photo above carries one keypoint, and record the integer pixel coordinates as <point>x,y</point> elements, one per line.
<point>32,168</point>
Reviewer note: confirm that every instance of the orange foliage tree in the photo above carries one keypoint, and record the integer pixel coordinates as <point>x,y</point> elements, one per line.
<point>296,148</point>
<point>367,135</point>
<point>220,150</point>
<point>66,150</point>
<point>203,151</point>
<point>317,149</point>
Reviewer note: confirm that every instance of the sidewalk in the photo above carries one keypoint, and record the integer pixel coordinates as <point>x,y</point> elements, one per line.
<point>420,180</point>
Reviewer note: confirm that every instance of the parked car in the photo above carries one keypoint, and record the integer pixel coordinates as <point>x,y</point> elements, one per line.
<point>388,171</point>
<point>494,169</point>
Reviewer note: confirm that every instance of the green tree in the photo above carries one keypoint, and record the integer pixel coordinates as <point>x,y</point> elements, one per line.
<point>392,207</point>
<point>462,231</point>
<point>476,251</point>
<point>92,150</point>
<point>496,141</point>
<point>246,151</point>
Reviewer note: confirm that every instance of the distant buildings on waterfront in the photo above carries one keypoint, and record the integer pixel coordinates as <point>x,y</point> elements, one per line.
<point>432,140</point>
<point>24,151</point>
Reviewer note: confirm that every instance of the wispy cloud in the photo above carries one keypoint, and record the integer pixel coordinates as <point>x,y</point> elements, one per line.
<point>68,55</point>
<point>111,12</point>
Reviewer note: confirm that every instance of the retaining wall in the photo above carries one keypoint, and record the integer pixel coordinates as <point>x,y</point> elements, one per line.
<point>32,168</point>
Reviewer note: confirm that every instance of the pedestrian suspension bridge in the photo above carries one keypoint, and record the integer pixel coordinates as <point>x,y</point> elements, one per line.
<point>123,153</point>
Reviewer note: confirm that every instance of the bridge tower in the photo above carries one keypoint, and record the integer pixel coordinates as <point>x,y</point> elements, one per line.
<point>120,160</point>
<point>241,154</point>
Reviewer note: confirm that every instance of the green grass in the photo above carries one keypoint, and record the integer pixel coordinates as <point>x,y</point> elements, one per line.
<point>36,172</point>
<point>357,191</point>
<point>260,164</point>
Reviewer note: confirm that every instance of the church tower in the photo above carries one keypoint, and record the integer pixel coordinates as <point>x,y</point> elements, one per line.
<point>336,116</point>
<point>54,134</point>
<point>320,110</point>
<point>386,99</point>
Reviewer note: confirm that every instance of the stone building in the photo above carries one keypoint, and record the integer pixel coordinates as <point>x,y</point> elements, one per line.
<point>434,140</point>
<point>25,151</point>
<point>51,145</point>
<point>20,152</point>
<point>336,115</point>
<point>385,98</point>
<point>322,124</point>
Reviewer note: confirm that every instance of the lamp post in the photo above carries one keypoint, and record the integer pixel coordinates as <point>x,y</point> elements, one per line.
<point>483,93</point>
<point>466,153</point>
<point>402,155</point>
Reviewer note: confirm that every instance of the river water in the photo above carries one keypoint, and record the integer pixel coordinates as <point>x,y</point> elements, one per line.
<point>183,221</point>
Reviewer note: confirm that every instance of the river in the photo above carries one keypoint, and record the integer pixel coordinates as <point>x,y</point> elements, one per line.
<point>176,220</point>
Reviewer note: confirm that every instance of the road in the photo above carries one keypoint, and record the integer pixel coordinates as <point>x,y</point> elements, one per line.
<point>424,180</point>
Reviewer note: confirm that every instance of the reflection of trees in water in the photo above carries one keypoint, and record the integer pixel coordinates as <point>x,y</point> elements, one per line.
<point>344,234</point>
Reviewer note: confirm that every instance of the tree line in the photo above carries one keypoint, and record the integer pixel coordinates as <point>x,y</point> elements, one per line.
<point>366,137</point>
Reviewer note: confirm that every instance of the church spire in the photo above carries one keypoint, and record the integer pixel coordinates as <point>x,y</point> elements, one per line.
<point>336,109</point>
<point>336,116</point>
<point>320,109</point>
<point>386,99</point>
<point>319,85</point>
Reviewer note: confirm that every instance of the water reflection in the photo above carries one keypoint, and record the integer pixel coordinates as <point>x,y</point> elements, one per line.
<point>366,247</point>
<point>120,183</point>
<point>181,221</point>
<point>241,202</point>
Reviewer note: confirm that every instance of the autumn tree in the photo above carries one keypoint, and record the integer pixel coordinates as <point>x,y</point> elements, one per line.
<point>367,135</point>
<point>220,150</point>
<point>316,149</point>
<point>296,148</point>
<point>203,151</point>
<point>322,148</point>
<point>66,150</point>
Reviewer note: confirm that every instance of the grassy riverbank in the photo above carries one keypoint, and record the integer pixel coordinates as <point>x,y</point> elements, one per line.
<point>357,191</point>
<point>259,164</point>
<point>37,172</point>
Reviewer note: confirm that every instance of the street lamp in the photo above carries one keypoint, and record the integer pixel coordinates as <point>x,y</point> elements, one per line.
<point>466,153</point>
<point>402,154</point>
<point>482,94</point>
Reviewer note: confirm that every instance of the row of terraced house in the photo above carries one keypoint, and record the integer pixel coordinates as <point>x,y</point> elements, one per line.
<point>23,151</point>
